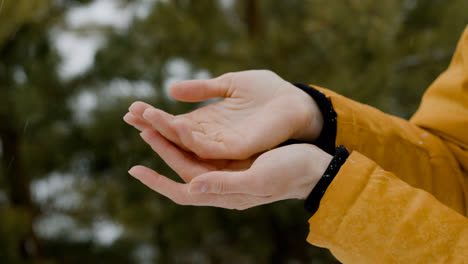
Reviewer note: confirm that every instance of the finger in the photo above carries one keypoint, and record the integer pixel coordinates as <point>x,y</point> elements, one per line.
<point>158,119</point>
<point>228,182</point>
<point>162,122</point>
<point>183,163</point>
<point>179,193</point>
<point>136,122</point>
<point>138,108</point>
<point>201,90</point>
<point>161,184</point>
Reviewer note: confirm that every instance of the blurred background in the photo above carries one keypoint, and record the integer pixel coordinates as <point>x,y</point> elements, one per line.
<point>69,69</point>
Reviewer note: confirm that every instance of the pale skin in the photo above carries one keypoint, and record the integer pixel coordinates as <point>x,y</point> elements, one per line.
<point>221,150</point>
<point>259,111</point>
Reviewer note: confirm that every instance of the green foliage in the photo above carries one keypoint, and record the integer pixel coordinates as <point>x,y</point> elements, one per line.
<point>384,53</point>
<point>13,14</point>
<point>13,229</point>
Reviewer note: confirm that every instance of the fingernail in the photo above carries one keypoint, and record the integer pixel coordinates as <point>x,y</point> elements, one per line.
<point>143,134</point>
<point>198,187</point>
<point>132,172</point>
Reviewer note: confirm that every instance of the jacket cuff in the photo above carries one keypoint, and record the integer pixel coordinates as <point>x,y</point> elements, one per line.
<point>327,137</point>
<point>312,202</point>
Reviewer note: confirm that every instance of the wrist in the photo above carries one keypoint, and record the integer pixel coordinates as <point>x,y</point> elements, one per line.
<point>310,118</point>
<point>328,122</point>
<point>312,201</point>
<point>317,162</point>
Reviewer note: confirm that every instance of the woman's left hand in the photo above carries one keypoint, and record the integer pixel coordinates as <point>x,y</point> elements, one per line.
<point>259,111</point>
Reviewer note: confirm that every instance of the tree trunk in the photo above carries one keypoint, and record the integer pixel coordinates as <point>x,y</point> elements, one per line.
<point>253,19</point>
<point>18,183</point>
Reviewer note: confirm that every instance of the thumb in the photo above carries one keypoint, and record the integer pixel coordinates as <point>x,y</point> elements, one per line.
<point>201,90</point>
<point>225,182</point>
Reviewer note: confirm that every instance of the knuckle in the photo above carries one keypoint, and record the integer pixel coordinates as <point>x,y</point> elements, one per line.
<point>243,203</point>
<point>265,71</point>
<point>226,76</point>
<point>225,83</point>
<point>230,207</point>
<point>242,207</point>
<point>219,187</point>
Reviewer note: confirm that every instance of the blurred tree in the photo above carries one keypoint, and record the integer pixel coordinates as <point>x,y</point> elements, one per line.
<point>20,217</point>
<point>16,13</point>
<point>382,53</point>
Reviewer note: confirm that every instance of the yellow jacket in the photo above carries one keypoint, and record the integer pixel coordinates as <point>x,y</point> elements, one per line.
<point>402,195</point>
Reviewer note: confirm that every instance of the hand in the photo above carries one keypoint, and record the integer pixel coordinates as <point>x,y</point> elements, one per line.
<point>259,111</point>
<point>186,164</point>
<point>288,172</point>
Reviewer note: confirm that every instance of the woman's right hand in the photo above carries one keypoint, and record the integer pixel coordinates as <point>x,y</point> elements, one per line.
<point>259,111</point>
<point>288,172</point>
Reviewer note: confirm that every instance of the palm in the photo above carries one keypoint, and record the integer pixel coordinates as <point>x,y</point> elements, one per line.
<point>258,113</point>
<point>233,128</point>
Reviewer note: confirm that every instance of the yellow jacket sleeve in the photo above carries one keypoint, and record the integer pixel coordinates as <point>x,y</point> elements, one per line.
<point>430,151</point>
<point>402,195</point>
<point>368,215</point>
